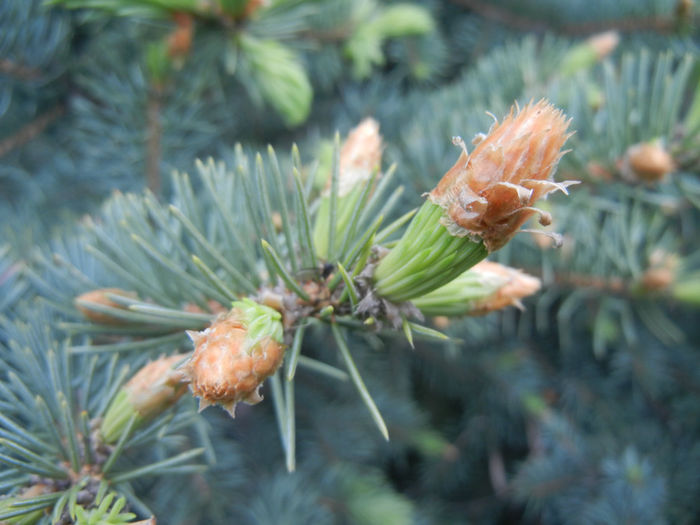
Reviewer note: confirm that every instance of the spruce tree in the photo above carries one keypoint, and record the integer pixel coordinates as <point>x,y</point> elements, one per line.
<point>326,221</point>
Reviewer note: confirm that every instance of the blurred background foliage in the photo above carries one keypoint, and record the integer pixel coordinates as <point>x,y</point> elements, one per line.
<point>583,408</point>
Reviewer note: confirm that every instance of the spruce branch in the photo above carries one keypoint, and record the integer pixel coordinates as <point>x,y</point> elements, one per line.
<point>31,130</point>
<point>9,67</point>
<point>153,139</point>
<point>50,441</point>
<point>661,24</point>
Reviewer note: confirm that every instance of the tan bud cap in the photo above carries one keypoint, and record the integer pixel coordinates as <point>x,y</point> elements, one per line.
<point>157,386</point>
<point>99,297</point>
<point>214,307</point>
<point>662,271</point>
<point>604,43</point>
<point>647,162</point>
<point>518,286</point>
<point>441,321</point>
<point>360,156</point>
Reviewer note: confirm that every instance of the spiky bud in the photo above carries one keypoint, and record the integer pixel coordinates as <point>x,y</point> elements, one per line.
<point>480,203</point>
<point>235,355</point>
<point>486,287</point>
<point>490,193</point>
<point>360,158</point>
<point>647,162</point>
<point>90,303</point>
<point>154,388</point>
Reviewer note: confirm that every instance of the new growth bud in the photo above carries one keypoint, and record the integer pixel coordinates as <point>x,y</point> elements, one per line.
<point>235,355</point>
<point>486,287</point>
<point>517,286</point>
<point>152,390</point>
<point>90,303</point>
<point>360,158</point>
<point>480,203</point>
<point>604,43</point>
<point>490,193</point>
<point>661,273</point>
<point>647,162</point>
<point>589,52</point>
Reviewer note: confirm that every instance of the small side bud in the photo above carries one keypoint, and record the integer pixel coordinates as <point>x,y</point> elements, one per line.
<point>589,52</point>
<point>99,298</point>
<point>657,279</point>
<point>604,43</point>
<point>647,162</point>
<point>486,287</point>
<point>518,286</point>
<point>441,322</point>
<point>360,158</point>
<point>662,272</point>
<point>152,390</point>
<point>213,307</point>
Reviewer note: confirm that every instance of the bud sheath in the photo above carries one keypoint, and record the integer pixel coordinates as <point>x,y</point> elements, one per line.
<point>427,257</point>
<point>99,299</point>
<point>153,389</point>
<point>360,158</point>
<point>486,287</point>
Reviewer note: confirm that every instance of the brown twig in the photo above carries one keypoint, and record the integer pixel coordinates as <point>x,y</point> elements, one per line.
<point>31,130</point>
<point>615,285</point>
<point>506,17</point>
<point>153,136</point>
<point>330,35</point>
<point>8,67</point>
<point>501,15</point>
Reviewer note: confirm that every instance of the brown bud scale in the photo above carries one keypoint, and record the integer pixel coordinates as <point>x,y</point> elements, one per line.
<point>156,386</point>
<point>647,162</point>
<point>490,193</point>
<point>518,286</point>
<point>99,297</point>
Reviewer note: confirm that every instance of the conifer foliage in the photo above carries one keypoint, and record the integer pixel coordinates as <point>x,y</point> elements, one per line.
<point>390,323</point>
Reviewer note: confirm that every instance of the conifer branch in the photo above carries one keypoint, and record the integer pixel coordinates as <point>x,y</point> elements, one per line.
<point>502,15</point>
<point>22,72</point>
<point>31,130</point>
<point>154,132</point>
